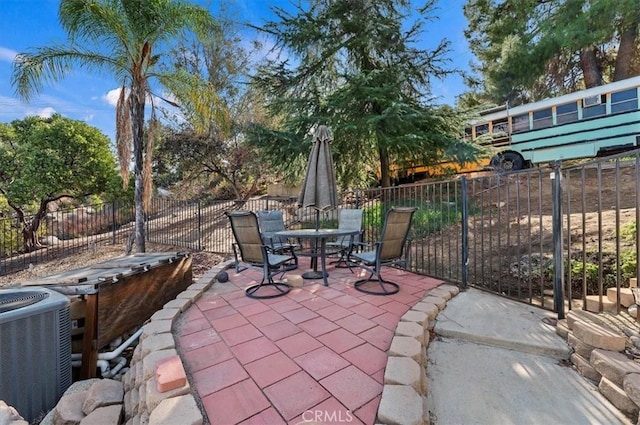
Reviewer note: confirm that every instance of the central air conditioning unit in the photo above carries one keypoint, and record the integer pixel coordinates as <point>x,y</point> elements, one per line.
<point>35,349</point>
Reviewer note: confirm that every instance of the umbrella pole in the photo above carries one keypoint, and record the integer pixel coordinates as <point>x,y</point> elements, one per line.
<point>314,274</point>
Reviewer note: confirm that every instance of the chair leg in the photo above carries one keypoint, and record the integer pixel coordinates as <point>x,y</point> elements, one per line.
<point>343,260</point>
<point>281,287</point>
<point>289,267</point>
<point>386,287</point>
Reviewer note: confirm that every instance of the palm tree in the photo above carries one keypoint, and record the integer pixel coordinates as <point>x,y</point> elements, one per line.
<point>124,39</point>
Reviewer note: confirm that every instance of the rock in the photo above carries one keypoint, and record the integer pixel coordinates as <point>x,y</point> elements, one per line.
<point>612,365</point>
<point>8,414</point>
<point>69,409</point>
<point>105,392</point>
<point>598,336</point>
<point>104,415</point>
<point>50,241</point>
<point>631,386</point>
<point>177,410</point>
<point>617,397</point>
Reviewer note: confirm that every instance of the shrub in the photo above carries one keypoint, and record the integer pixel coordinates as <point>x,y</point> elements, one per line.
<point>629,231</point>
<point>628,264</point>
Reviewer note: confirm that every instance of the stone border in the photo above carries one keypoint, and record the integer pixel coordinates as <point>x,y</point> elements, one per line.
<point>598,355</point>
<point>143,401</point>
<point>404,395</point>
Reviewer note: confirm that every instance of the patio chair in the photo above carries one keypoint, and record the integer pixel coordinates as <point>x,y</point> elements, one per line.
<point>348,219</point>
<point>270,222</point>
<point>388,251</point>
<point>250,249</point>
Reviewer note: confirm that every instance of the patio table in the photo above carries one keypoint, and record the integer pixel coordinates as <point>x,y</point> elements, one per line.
<point>317,235</point>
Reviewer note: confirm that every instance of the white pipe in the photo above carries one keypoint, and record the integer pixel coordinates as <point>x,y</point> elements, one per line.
<point>116,353</point>
<point>113,344</point>
<point>110,355</point>
<point>103,364</point>
<point>114,370</point>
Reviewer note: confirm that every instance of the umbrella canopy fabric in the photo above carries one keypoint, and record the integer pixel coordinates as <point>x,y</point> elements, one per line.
<point>319,189</point>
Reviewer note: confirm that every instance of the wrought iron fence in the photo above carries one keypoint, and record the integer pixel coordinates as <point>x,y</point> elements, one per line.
<point>557,237</point>
<point>62,233</point>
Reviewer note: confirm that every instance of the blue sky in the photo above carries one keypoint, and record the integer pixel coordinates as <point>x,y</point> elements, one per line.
<point>83,96</point>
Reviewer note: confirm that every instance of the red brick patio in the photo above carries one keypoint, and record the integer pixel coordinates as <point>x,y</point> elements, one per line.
<point>317,354</point>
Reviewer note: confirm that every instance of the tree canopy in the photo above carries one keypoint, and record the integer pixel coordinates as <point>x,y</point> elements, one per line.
<point>206,146</point>
<point>45,159</point>
<point>355,67</point>
<point>127,40</point>
<point>532,49</point>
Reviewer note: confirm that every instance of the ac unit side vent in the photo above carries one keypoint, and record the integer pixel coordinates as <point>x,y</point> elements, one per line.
<point>35,348</point>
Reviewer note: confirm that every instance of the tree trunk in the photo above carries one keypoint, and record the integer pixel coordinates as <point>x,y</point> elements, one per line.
<point>137,127</point>
<point>590,69</point>
<point>627,52</point>
<point>385,177</point>
<point>30,227</point>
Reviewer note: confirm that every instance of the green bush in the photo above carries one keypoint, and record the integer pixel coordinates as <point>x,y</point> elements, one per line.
<point>10,238</point>
<point>628,264</point>
<point>591,271</point>
<point>427,219</point>
<point>629,231</point>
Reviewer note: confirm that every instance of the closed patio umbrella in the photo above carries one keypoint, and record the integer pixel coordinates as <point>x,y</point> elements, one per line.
<point>319,189</point>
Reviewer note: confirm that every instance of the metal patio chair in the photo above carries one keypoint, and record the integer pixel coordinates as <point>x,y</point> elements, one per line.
<point>348,219</point>
<point>388,251</point>
<point>251,250</point>
<point>270,222</point>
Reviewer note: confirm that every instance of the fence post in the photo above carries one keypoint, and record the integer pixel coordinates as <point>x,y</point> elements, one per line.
<point>113,221</point>
<point>199,226</point>
<point>558,263</point>
<point>465,231</point>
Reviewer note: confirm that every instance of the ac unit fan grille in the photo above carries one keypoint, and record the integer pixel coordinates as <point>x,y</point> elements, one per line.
<point>16,300</point>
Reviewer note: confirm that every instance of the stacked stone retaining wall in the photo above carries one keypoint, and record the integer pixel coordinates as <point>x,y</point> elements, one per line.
<point>601,354</point>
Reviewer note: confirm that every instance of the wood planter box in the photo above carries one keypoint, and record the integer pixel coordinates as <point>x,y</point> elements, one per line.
<point>118,296</point>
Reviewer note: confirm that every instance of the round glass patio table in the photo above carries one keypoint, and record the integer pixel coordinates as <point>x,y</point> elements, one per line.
<point>319,235</point>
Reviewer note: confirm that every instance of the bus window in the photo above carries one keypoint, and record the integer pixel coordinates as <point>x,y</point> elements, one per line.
<point>468,136</point>
<point>626,100</point>
<point>481,129</point>
<point>542,118</point>
<point>594,106</point>
<point>520,123</point>
<point>567,113</point>
<point>501,126</point>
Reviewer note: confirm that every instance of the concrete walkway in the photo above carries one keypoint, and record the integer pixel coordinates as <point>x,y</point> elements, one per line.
<point>496,361</point>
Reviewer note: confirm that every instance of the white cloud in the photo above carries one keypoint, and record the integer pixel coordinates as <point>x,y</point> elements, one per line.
<point>45,112</point>
<point>7,55</point>
<point>112,97</point>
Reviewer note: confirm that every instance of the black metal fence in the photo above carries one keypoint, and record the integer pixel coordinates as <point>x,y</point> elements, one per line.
<point>64,232</point>
<point>555,237</point>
